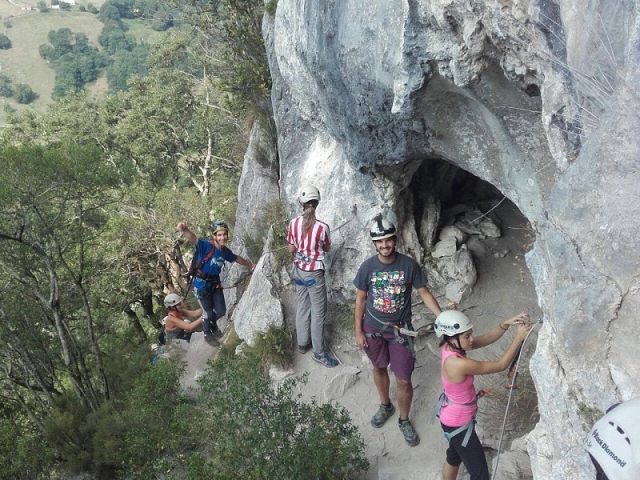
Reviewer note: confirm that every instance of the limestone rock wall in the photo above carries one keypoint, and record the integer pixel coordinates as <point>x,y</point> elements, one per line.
<point>539,98</point>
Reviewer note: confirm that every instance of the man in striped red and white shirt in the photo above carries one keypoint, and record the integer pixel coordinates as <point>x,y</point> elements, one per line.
<point>308,240</point>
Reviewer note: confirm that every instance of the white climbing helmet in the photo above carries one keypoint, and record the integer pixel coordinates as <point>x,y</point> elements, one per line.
<point>381,229</point>
<point>309,193</point>
<point>614,441</point>
<point>452,322</point>
<point>172,300</point>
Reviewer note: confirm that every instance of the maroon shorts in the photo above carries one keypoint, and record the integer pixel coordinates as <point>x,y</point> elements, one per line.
<point>387,351</point>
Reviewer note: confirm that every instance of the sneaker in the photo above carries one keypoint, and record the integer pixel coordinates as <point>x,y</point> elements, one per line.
<point>381,416</point>
<point>410,435</point>
<point>325,360</point>
<point>305,348</point>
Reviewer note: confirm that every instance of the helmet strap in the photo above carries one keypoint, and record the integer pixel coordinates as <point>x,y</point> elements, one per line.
<point>455,346</point>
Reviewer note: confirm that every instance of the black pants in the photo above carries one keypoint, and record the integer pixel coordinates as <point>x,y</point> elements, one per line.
<point>472,455</point>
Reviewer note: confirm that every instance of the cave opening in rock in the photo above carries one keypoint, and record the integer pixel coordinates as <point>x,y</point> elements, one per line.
<point>474,240</point>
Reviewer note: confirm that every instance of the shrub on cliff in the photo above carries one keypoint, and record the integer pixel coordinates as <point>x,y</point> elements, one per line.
<point>253,430</point>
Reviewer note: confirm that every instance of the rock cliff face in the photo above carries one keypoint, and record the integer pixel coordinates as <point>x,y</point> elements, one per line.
<point>380,103</point>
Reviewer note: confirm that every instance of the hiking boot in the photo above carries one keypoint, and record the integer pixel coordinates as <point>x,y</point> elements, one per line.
<point>325,360</point>
<point>410,435</point>
<point>305,348</point>
<point>381,416</point>
<point>211,339</point>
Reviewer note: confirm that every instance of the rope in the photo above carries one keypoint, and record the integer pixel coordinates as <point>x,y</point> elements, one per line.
<point>491,210</point>
<point>506,412</point>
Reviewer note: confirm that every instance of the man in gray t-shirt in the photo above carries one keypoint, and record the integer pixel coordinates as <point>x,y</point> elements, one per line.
<point>384,284</point>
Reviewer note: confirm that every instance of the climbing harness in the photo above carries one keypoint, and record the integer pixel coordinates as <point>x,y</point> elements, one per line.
<point>303,258</point>
<point>196,270</point>
<point>467,427</point>
<point>398,329</point>
<point>506,411</point>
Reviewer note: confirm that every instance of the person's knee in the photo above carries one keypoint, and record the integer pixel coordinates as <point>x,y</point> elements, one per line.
<point>405,385</point>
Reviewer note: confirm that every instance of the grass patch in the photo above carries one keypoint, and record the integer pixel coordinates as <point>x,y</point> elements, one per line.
<point>142,32</point>
<point>589,415</point>
<point>274,347</point>
<point>344,315</point>
<point>274,220</point>
<point>228,348</point>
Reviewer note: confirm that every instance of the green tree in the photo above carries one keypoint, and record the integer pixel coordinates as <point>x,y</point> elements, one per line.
<point>47,52</point>
<point>233,39</point>
<point>153,421</point>
<point>52,204</point>
<point>279,435</point>
<point>61,40</point>
<point>23,454</point>
<point>75,60</point>
<point>127,63</point>
<point>42,6</point>
<point>109,12</point>
<point>5,42</point>
<point>113,38</point>
<point>6,87</point>
<point>24,94</point>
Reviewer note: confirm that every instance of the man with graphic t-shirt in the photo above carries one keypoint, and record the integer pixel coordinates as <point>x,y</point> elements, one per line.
<point>384,284</point>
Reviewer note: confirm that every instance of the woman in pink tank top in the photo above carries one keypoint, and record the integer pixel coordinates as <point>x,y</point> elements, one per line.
<point>459,405</point>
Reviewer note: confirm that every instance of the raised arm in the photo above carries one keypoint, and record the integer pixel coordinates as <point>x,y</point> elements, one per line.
<point>457,368</point>
<point>429,300</point>
<point>496,332</point>
<point>188,234</point>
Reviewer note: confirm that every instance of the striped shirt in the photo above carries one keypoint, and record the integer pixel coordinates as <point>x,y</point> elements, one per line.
<point>309,252</point>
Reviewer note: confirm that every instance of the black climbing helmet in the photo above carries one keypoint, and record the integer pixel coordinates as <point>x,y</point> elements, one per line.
<point>218,226</point>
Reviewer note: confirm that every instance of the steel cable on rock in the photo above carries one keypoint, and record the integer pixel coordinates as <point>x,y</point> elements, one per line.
<point>506,411</point>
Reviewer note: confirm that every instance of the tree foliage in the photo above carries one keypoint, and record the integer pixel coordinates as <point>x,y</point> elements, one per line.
<point>127,63</point>
<point>76,61</point>
<point>23,93</point>
<point>90,194</point>
<point>5,42</point>
<point>6,87</point>
<point>269,425</point>
<point>52,212</point>
<point>232,35</point>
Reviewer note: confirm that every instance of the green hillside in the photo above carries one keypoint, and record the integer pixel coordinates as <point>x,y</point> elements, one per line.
<point>28,29</point>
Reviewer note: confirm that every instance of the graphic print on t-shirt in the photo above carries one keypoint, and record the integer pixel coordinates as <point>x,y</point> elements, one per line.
<point>387,289</point>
